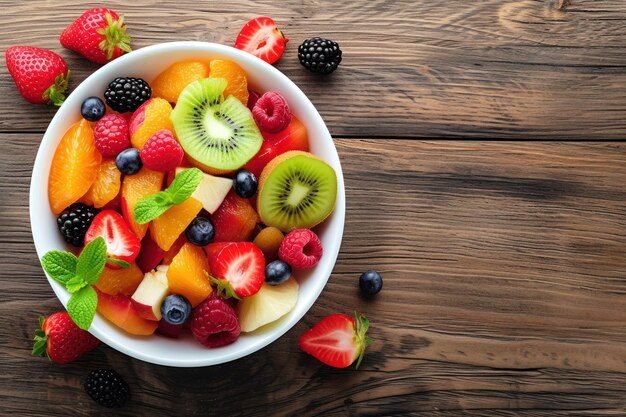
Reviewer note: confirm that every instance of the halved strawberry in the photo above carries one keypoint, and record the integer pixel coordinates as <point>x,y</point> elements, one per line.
<point>241,264</point>
<point>262,38</point>
<point>121,243</point>
<point>337,340</point>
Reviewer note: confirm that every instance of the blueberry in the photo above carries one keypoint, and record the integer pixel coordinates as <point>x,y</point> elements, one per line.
<point>277,272</point>
<point>370,283</point>
<point>245,183</point>
<point>175,309</point>
<point>93,109</point>
<point>200,232</point>
<point>128,161</point>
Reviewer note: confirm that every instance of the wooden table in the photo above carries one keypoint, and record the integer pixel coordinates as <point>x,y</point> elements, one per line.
<point>504,256</point>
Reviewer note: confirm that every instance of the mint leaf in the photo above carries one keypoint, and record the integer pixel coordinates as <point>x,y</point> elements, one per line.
<point>75,284</point>
<point>152,206</point>
<point>60,265</point>
<point>91,261</point>
<point>119,262</point>
<point>82,307</point>
<point>184,185</point>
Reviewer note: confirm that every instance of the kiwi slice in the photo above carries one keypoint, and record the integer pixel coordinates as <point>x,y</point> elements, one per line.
<point>218,133</point>
<point>296,190</point>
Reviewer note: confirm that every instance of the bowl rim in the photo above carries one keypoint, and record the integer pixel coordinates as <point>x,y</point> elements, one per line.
<point>339,216</point>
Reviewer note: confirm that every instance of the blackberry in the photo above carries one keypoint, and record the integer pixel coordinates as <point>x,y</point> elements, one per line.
<point>126,94</point>
<point>319,55</point>
<point>107,388</point>
<point>74,221</point>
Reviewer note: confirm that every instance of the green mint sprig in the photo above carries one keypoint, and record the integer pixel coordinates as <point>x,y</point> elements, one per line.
<point>152,206</point>
<point>77,274</point>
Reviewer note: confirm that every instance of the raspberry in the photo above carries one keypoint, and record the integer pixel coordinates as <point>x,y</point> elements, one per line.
<point>301,249</point>
<point>271,112</point>
<point>214,322</point>
<point>162,152</point>
<point>111,134</point>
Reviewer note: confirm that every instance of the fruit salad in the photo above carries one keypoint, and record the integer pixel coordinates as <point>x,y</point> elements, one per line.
<point>191,203</point>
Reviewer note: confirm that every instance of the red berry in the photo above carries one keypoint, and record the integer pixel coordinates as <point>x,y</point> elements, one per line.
<point>242,264</point>
<point>111,134</point>
<point>301,249</point>
<point>271,112</point>
<point>62,339</point>
<point>122,244</point>
<point>262,38</point>
<point>214,322</point>
<point>162,152</point>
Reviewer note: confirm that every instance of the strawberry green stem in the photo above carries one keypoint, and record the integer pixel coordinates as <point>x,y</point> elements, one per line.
<point>41,340</point>
<point>114,36</point>
<point>361,341</point>
<point>55,94</point>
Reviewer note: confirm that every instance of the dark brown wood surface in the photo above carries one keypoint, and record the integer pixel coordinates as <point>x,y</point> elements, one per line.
<point>504,262</point>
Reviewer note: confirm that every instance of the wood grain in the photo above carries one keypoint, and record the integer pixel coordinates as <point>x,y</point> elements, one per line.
<point>504,294</point>
<point>524,69</point>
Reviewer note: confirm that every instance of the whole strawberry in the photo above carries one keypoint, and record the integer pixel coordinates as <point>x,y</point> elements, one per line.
<point>61,339</point>
<point>98,34</point>
<point>39,74</point>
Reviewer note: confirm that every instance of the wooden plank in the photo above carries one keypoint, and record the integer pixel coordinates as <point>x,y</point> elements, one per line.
<point>504,294</point>
<point>525,69</point>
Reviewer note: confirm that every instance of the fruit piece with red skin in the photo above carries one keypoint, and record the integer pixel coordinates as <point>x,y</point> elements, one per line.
<point>292,138</point>
<point>271,112</point>
<point>253,97</point>
<point>214,322</point>
<point>301,249</point>
<point>40,75</point>
<point>61,339</point>
<point>169,330</point>
<point>162,152</point>
<point>151,117</point>
<point>241,264</point>
<point>121,242</point>
<point>111,134</point>
<point>262,38</point>
<point>150,254</point>
<point>149,295</point>
<point>337,340</point>
<point>119,310</point>
<point>99,35</point>
<point>234,220</point>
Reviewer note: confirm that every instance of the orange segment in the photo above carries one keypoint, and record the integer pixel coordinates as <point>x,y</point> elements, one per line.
<point>166,228</point>
<point>134,188</point>
<point>74,166</point>
<point>187,275</point>
<point>106,186</point>
<point>156,117</point>
<point>236,77</point>
<point>174,249</point>
<point>120,281</point>
<point>176,77</point>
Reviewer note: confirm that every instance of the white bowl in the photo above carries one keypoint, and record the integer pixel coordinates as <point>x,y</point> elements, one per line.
<point>147,63</point>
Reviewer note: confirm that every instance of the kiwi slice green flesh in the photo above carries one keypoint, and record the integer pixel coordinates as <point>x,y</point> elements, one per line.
<point>299,192</point>
<point>219,133</point>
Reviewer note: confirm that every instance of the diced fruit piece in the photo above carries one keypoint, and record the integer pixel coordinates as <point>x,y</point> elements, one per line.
<point>218,133</point>
<point>200,232</point>
<point>211,191</point>
<point>74,168</point>
<point>319,55</point>
<point>119,310</point>
<point>150,254</point>
<point>162,152</point>
<point>120,281</point>
<point>169,83</point>
<point>277,272</point>
<point>92,109</point>
<point>262,38</point>
<point>61,339</point>
<point>169,255</point>
<point>74,221</point>
<point>111,134</point>
<point>292,138</point>
<point>271,112</point>
<point>169,330</point>
<point>149,295</point>
<point>245,183</point>
<point>152,116</point>
<point>106,186</point>
<point>175,309</point>
<point>214,323</point>
<point>234,220</point>
<point>269,304</point>
<point>370,282</point>
<point>188,274</point>
<point>126,94</point>
<point>146,182</point>
<point>301,249</point>
<point>236,77</point>
<point>122,244</point>
<point>242,265</point>
<point>166,228</point>
<point>269,240</point>
<point>296,190</point>
<point>128,162</point>
<point>337,340</point>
